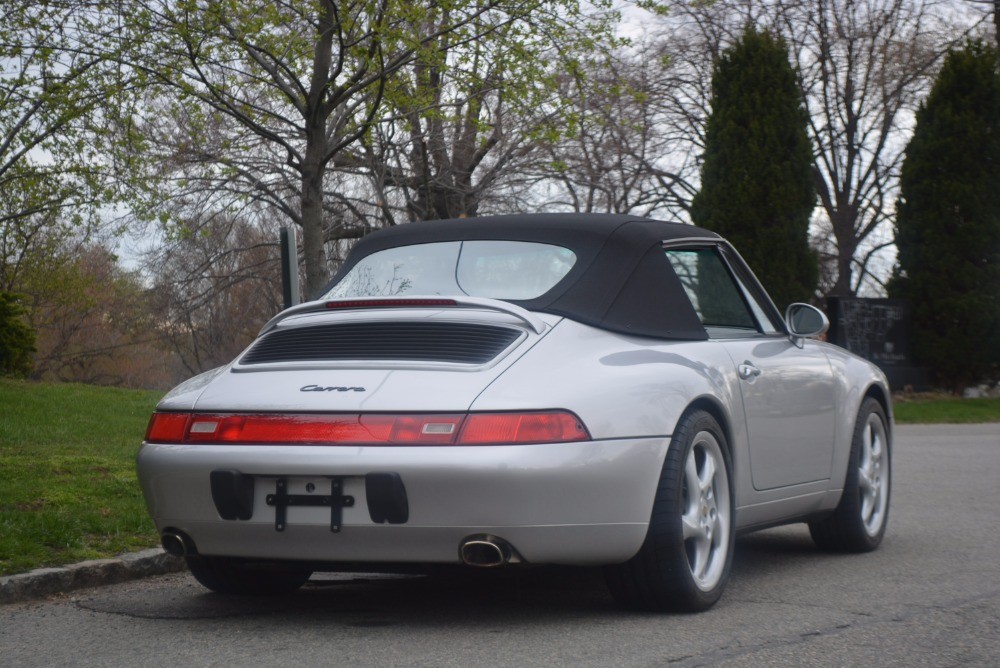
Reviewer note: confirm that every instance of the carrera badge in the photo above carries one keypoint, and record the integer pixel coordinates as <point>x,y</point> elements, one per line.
<point>334,388</point>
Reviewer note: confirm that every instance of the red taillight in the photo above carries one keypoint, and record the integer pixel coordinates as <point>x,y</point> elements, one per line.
<point>368,429</point>
<point>167,427</point>
<point>256,429</point>
<point>497,428</point>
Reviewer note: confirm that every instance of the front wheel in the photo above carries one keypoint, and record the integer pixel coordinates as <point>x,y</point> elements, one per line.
<point>858,524</point>
<point>684,563</point>
<point>227,575</point>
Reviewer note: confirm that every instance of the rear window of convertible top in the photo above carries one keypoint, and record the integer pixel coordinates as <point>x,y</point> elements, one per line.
<point>518,270</point>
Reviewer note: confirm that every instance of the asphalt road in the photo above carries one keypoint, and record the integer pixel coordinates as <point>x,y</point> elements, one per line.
<point>929,597</point>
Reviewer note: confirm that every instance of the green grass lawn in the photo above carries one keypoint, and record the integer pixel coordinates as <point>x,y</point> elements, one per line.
<point>943,410</point>
<point>68,490</point>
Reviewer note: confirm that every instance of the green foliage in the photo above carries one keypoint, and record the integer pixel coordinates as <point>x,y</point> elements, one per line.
<point>17,340</point>
<point>475,101</point>
<point>948,221</point>
<point>67,459</point>
<point>947,411</point>
<point>92,319</point>
<point>262,102</point>
<point>757,188</point>
<point>59,77</point>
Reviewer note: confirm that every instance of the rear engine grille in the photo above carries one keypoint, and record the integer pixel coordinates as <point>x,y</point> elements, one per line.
<point>461,343</point>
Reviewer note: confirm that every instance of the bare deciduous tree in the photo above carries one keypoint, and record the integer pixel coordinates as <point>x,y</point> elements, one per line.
<point>864,66</point>
<point>627,153</point>
<point>213,288</point>
<point>992,7</point>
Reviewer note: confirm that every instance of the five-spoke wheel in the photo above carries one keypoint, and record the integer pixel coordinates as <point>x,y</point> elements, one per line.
<point>873,481</point>
<point>685,560</point>
<point>858,524</point>
<point>707,514</point>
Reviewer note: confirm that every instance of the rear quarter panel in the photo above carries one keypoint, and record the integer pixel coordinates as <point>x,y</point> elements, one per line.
<point>625,387</point>
<point>620,386</point>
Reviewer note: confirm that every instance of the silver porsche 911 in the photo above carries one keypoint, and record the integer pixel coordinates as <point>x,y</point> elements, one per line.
<point>534,389</point>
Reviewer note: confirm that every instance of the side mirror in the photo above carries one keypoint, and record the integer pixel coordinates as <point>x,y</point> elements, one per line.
<point>804,321</point>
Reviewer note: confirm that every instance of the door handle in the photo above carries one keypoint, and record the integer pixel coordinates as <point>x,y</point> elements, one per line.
<point>748,371</point>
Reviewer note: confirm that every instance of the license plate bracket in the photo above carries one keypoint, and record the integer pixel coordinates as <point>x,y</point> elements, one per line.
<point>336,500</point>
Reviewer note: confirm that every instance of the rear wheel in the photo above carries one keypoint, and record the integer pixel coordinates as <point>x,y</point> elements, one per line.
<point>684,563</point>
<point>227,575</point>
<point>858,524</point>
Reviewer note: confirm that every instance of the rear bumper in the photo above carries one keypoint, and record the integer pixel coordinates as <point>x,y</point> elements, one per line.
<point>568,503</point>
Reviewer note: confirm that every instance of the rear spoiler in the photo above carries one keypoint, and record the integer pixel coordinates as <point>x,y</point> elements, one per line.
<point>327,305</point>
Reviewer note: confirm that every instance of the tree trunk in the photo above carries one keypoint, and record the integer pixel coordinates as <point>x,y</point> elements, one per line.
<point>843,232</point>
<point>313,167</point>
<point>313,236</point>
<point>996,20</point>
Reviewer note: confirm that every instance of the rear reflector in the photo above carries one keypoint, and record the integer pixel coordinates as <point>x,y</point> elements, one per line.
<point>367,429</point>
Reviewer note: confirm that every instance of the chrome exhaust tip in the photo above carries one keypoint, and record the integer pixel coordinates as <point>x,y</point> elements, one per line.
<point>177,544</point>
<point>485,551</point>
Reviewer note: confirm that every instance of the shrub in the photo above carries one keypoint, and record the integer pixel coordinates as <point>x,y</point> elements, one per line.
<point>17,340</point>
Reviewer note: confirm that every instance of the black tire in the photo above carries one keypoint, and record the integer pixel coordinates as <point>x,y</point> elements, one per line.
<point>227,575</point>
<point>671,572</point>
<point>859,522</point>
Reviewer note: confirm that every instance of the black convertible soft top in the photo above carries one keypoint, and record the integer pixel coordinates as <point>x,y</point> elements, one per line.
<point>622,280</point>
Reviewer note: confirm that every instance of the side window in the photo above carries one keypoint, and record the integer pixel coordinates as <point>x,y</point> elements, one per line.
<point>768,318</point>
<point>716,297</point>
<point>762,317</point>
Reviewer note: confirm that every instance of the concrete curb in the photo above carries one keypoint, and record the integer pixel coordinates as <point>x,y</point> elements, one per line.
<point>47,581</point>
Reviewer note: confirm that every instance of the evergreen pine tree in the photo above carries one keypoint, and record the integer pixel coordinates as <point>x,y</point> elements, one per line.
<point>757,187</point>
<point>17,340</point>
<point>948,221</point>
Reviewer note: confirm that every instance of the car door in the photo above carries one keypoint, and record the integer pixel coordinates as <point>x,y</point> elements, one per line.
<point>787,385</point>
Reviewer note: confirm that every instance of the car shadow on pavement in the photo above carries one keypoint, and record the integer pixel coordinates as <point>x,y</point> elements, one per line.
<point>446,596</point>
<point>376,599</point>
